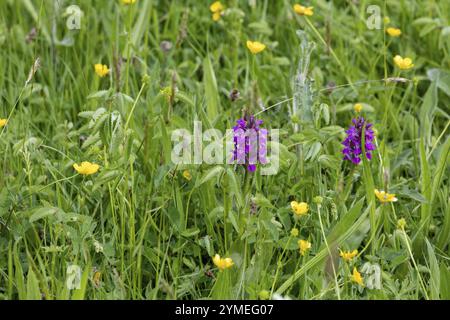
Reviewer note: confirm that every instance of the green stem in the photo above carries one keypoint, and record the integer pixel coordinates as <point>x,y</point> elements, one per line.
<point>370,187</point>
<point>415,265</point>
<point>134,106</point>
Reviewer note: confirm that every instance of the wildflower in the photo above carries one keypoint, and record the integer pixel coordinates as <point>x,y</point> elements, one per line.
<point>146,79</point>
<point>330,87</point>
<point>304,246</point>
<point>318,200</point>
<point>128,1</point>
<point>352,143</point>
<point>253,207</point>
<point>401,223</point>
<point>222,263</point>
<point>358,107</point>
<point>101,70</point>
<point>98,247</point>
<point>217,9</point>
<point>187,175</point>
<point>385,197</point>
<point>3,122</point>
<point>299,208</point>
<point>86,168</point>
<point>166,46</point>
<point>294,232</point>
<point>356,277</point>
<point>255,47</point>
<point>216,16</point>
<point>303,11</point>
<point>386,20</point>
<point>348,255</point>
<point>168,92</point>
<point>403,63</point>
<point>234,95</point>
<point>394,32</point>
<point>31,36</point>
<point>250,141</point>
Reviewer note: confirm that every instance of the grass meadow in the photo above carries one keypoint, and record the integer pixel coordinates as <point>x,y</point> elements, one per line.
<point>107,82</point>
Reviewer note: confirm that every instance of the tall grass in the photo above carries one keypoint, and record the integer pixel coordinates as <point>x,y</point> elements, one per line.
<point>138,229</point>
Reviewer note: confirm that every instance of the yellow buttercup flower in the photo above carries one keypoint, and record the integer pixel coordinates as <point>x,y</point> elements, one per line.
<point>128,1</point>
<point>101,69</point>
<point>216,7</point>
<point>217,10</point>
<point>187,175</point>
<point>358,107</point>
<point>403,63</point>
<point>86,168</point>
<point>348,255</point>
<point>222,263</point>
<point>299,208</point>
<point>216,16</point>
<point>385,197</point>
<point>393,32</point>
<point>303,11</point>
<point>303,246</point>
<point>357,278</point>
<point>255,46</point>
<point>3,122</point>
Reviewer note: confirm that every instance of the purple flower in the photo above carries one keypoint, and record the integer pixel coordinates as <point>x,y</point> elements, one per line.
<point>250,142</point>
<point>352,144</point>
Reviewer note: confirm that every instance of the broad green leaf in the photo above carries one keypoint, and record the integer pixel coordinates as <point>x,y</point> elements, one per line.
<point>214,172</point>
<point>33,291</point>
<point>42,213</point>
<point>211,91</point>
<point>434,272</point>
<point>235,187</point>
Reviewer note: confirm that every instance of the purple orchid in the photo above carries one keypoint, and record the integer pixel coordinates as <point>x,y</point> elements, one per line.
<point>352,144</point>
<point>250,142</point>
